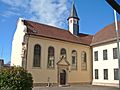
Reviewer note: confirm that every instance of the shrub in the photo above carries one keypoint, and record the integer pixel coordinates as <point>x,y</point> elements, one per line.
<point>15,78</point>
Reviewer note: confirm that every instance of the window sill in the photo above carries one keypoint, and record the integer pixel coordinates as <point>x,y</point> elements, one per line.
<point>36,67</point>
<point>84,70</point>
<point>51,68</point>
<point>73,69</point>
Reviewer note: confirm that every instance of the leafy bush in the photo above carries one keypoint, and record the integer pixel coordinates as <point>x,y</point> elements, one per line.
<point>15,78</point>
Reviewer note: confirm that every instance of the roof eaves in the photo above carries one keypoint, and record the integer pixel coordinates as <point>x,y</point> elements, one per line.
<point>101,42</point>
<point>60,39</point>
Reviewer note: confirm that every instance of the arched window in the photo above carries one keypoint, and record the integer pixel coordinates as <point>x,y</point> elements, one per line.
<point>51,57</point>
<point>74,60</point>
<point>84,60</point>
<point>63,51</point>
<point>37,56</point>
<point>83,55</point>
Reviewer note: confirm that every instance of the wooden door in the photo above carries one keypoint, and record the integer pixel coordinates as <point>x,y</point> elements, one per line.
<point>63,78</point>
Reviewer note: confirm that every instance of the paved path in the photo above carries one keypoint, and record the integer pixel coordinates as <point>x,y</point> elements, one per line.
<point>76,88</point>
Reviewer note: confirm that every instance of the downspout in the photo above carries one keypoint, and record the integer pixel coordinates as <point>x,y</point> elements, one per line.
<point>27,41</point>
<point>118,48</point>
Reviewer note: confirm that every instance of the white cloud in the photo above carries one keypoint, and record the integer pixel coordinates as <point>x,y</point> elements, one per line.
<point>9,13</point>
<point>17,3</point>
<point>52,12</point>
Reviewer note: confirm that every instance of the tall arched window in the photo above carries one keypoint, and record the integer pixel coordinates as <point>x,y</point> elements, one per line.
<point>37,55</point>
<point>84,60</point>
<point>51,57</point>
<point>74,60</point>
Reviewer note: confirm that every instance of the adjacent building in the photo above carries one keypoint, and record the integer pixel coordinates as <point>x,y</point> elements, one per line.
<point>105,58</point>
<point>1,63</point>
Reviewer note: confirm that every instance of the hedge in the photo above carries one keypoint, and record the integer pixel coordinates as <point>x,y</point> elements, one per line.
<point>15,78</point>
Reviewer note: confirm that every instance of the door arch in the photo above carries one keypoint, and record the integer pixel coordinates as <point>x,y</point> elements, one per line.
<point>62,77</point>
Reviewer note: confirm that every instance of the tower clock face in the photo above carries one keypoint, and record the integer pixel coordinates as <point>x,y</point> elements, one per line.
<point>70,21</point>
<point>75,21</point>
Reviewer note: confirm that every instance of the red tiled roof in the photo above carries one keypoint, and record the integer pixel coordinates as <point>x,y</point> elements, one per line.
<point>106,34</point>
<point>38,29</point>
<point>86,38</point>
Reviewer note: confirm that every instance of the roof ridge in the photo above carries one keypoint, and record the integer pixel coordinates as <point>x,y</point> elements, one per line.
<point>86,34</point>
<point>46,25</point>
<point>113,23</point>
<point>106,33</point>
<point>55,33</point>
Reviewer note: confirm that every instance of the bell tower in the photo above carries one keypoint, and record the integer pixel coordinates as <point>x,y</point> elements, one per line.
<point>73,21</point>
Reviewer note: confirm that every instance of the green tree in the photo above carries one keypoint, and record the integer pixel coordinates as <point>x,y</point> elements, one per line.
<point>15,78</point>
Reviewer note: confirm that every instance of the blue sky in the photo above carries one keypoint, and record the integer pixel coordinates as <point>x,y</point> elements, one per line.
<point>94,15</point>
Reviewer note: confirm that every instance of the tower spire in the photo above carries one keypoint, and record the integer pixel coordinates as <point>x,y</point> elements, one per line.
<point>73,12</point>
<point>73,20</point>
<point>73,1</point>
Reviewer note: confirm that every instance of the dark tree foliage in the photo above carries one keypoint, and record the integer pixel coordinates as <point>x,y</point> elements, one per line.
<point>15,78</point>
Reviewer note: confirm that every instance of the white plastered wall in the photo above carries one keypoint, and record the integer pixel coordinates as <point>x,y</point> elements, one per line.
<point>71,25</point>
<point>17,44</point>
<point>101,64</point>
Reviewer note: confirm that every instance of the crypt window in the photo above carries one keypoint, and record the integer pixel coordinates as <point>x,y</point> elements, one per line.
<point>51,57</point>
<point>74,60</point>
<point>37,56</point>
<point>83,60</point>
